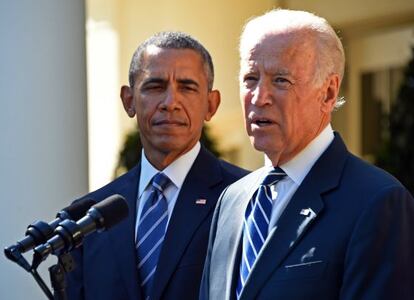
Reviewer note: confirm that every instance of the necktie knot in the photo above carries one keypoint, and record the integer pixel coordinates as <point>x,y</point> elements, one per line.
<point>160,182</point>
<point>274,176</point>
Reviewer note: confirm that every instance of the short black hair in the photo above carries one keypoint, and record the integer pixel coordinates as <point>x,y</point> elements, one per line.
<point>171,40</point>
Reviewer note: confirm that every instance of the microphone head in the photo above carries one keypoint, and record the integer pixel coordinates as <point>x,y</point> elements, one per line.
<point>76,210</point>
<point>112,210</point>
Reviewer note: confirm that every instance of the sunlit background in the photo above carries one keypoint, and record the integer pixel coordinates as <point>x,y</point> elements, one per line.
<point>62,64</point>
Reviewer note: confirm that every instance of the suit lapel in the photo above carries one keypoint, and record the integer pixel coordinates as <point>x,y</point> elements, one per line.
<point>122,236</point>
<point>187,216</point>
<point>290,229</point>
<point>301,212</point>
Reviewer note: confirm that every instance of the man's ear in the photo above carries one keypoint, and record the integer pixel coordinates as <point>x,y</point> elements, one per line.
<point>128,100</point>
<point>214,99</point>
<point>331,92</point>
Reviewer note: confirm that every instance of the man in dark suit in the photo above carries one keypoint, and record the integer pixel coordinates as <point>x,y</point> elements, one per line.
<point>315,223</point>
<point>158,252</point>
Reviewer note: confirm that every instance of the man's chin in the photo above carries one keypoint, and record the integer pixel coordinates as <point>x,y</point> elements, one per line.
<point>265,146</point>
<point>259,144</point>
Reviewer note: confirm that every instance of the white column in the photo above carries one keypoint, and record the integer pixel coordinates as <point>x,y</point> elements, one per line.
<point>104,104</point>
<point>43,126</point>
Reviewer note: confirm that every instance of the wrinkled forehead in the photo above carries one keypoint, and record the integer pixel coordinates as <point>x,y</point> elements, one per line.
<point>280,54</point>
<point>276,42</point>
<point>163,62</point>
<point>284,49</point>
<point>154,55</point>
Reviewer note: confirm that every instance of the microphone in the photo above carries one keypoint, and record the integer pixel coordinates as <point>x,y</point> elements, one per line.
<point>70,234</point>
<point>39,231</point>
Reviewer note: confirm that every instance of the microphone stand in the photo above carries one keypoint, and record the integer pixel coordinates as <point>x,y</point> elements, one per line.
<point>57,275</point>
<point>14,255</point>
<point>41,283</point>
<point>57,272</point>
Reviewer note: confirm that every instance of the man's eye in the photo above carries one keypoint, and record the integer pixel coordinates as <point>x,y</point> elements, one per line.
<point>250,81</point>
<point>189,88</point>
<point>249,78</point>
<point>151,87</point>
<point>282,81</point>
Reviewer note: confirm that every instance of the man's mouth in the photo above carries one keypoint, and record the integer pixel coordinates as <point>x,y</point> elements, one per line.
<point>262,122</point>
<point>169,123</point>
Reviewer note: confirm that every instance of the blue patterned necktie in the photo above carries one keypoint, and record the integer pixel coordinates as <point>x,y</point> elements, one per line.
<point>256,225</point>
<point>151,231</point>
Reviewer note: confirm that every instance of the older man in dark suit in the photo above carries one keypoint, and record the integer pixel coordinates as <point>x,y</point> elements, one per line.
<point>315,223</point>
<point>159,251</point>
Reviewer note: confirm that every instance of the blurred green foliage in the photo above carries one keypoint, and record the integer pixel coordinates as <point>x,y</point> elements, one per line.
<point>396,154</point>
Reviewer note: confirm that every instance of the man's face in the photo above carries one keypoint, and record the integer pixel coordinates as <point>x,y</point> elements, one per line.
<point>171,101</point>
<point>284,110</point>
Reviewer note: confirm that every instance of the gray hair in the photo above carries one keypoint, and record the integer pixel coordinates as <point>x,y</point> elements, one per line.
<point>329,49</point>
<point>171,40</point>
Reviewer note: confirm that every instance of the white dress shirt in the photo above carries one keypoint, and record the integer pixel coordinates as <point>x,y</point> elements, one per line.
<point>296,170</point>
<point>176,172</point>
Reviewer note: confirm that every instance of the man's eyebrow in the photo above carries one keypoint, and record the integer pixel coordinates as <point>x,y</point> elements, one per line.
<point>153,80</point>
<point>282,72</point>
<point>187,81</point>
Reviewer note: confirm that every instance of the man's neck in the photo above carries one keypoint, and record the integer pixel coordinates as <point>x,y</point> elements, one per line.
<point>161,160</point>
<point>280,158</point>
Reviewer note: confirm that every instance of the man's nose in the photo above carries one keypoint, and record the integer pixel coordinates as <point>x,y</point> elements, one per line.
<point>261,95</point>
<point>171,99</point>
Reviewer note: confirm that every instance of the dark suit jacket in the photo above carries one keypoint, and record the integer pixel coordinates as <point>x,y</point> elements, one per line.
<point>347,233</point>
<point>106,263</point>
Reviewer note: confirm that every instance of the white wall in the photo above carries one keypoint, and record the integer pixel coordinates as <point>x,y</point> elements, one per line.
<point>43,142</point>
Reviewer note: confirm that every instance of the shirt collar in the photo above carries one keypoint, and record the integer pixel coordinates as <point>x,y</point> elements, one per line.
<point>176,171</point>
<point>299,166</point>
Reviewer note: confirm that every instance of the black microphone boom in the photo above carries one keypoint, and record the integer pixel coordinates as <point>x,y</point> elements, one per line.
<point>70,234</point>
<point>39,231</point>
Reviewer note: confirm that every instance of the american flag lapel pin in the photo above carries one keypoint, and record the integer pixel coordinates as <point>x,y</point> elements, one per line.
<point>201,201</point>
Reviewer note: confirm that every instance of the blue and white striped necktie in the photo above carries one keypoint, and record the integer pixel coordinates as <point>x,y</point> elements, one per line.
<point>256,225</point>
<point>151,231</point>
